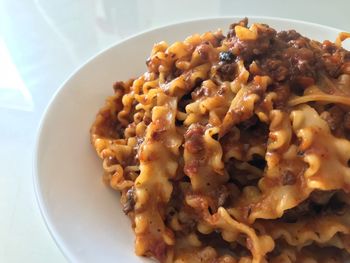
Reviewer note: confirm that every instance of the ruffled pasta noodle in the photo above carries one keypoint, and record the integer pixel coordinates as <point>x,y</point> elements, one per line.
<point>234,149</point>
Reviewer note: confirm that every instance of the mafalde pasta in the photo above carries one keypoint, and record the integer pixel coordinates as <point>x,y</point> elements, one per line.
<point>234,148</point>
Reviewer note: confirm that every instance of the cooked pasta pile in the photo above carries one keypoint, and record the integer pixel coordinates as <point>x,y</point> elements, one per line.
<point>234,148</point>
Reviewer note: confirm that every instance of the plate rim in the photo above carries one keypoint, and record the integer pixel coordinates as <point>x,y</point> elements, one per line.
<point>66,252</point>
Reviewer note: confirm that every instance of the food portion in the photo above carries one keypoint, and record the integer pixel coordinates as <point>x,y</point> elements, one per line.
<point>234,148</point>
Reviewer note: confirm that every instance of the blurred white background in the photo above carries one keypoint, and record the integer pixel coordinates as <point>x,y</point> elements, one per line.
<point>43,41</point>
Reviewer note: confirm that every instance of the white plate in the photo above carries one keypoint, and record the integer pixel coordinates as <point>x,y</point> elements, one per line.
<point>83,215</point>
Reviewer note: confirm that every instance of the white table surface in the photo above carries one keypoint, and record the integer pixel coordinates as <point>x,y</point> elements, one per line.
<point>43,41</point>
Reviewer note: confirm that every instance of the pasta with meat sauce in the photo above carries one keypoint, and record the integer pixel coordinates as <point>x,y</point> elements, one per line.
<point>234,148</point>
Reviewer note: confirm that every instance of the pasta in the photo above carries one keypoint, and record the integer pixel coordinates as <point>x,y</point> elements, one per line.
<point>234,149</point>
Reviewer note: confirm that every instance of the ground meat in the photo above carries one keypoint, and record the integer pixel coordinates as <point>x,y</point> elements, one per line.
<point>334,117</point>
<point>158,248</point>
<point>288,178</point>
<point>111,160</point>
<point>289,63</point>
<point>194,139</point>
<point>288,35</point>
<point>333,58</point>
<point>346,122</point>
<point>147,119</point>
<point>248,50</point>
<point>283,94</point>
<point>158,134</point>
<point>288,56</point>
<point>201,91</point>
<point>109,127</point>
<point>226,71</point>
<point>119,85</point>
<point>278,70</point>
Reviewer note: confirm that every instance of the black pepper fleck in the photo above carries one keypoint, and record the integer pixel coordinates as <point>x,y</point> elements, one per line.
<point>226,56</point>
